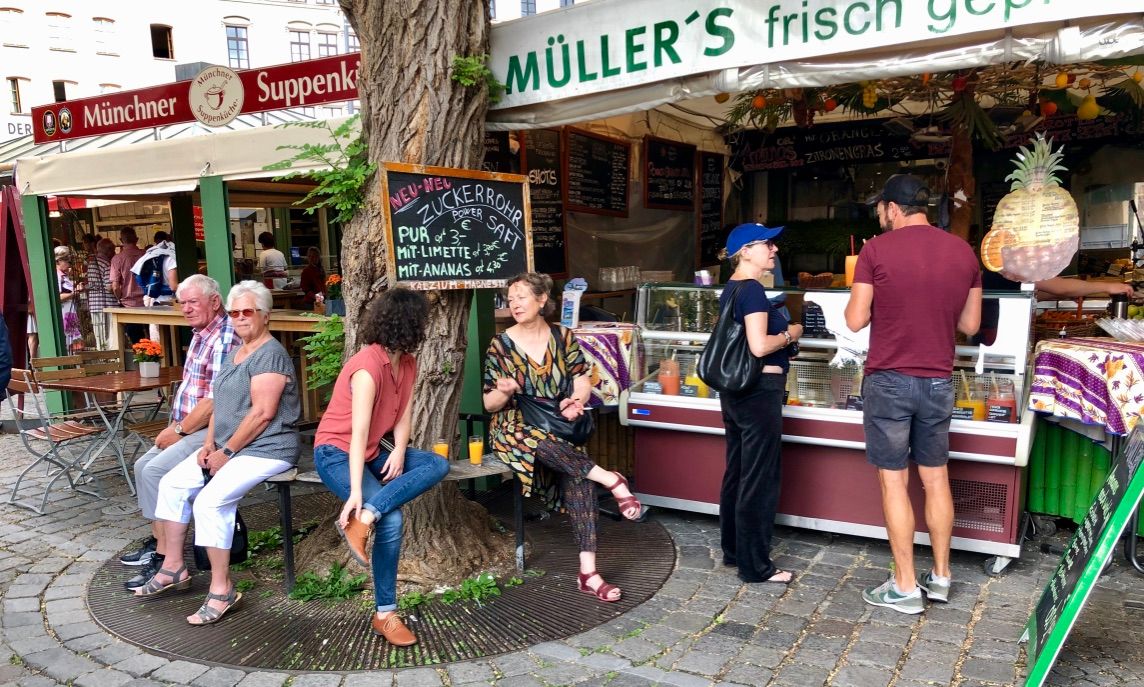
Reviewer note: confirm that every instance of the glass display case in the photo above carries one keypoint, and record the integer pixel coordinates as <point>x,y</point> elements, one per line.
<point>678,427</point>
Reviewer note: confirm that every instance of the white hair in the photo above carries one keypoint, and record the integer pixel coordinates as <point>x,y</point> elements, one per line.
<point>207,287</point>
<point>250,287</point>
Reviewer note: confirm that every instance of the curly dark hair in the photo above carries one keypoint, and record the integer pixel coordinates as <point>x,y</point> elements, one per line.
<point>396,320</point>
<point>539,284</point>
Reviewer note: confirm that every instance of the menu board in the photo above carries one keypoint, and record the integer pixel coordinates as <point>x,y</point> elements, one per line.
<point>542,165</point>
<point>499,156</point>
<point>710,232</point>
<point>454,228</point>
<point>596,170</point>
<point>669,174</point>
<point>1080,566</point>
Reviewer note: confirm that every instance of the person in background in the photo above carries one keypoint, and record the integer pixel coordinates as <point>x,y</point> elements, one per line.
<point>914,306</point>
<point>100,293</point>
<point>164,248</point>
<point>212,338</point>
<point>69,299</point>
<point>89,241</point>
<point>313,275</point>
<point>753,420</point>
<point>271,263</point>
<point>372,397</point>
<point>123,283</point>
<point>529,358</point>
<point>252,435</point>
<point>5,358</point>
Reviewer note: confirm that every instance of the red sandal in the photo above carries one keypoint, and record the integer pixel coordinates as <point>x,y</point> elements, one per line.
<point>627,502</point>
<point>600,592</point>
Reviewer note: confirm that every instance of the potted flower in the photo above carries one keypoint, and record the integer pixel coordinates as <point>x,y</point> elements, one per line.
<point>334,303</point>
<point>148,353</point>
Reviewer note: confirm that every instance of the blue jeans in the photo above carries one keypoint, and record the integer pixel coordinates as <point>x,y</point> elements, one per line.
<point>422,470</point>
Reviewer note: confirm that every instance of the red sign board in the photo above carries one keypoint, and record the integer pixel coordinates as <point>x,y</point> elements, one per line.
<point>200,234</point>
<point>214,97</point>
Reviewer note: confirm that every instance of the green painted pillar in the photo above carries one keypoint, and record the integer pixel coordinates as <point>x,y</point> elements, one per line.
<point>282,239</point>
<point>183,234</point>
<point>481,328</point>
<point>45,288</point>
<point>216,230</point>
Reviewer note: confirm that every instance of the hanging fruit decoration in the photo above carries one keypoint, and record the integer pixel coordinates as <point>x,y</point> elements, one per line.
<point>1048,108</point>
<point>1062,80</point>
<point>759,102</point>
<point>1138,76</point>
<point>959,83</point>
<point>722,97</point>
<point>1036,225</point>
<point>829,105</point>
<point>869,95</point>
<point>1088,108</point>
<point>926,77</point>
<point>1084,83</point>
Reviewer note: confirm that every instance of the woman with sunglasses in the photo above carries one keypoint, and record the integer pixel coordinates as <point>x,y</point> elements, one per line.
<point>753,418</point>
<point>252,435</point>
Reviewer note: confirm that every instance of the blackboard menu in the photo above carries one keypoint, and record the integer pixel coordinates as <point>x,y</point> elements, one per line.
<point>499,156</point>
<point>542,156</point>
<point>596,170</point>
<point>710,232</point>
<point>1081,564</point>
<point>454,228</point>
<point>669,174</point>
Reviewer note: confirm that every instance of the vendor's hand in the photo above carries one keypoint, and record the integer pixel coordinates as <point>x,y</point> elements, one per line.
<point>507,386</point>
<point>215,461</point>
<point>168,437</point>
<point>353,505</point>
<point>795,331</point>
<point>1114,288</point>
<point>204,453</point>
<point>571,409</point>
<point>394,465</point>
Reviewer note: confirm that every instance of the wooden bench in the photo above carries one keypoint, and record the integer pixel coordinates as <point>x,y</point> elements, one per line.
<point>458,471</point>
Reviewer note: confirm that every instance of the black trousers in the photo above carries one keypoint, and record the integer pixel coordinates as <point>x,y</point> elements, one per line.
<point>750,493</point>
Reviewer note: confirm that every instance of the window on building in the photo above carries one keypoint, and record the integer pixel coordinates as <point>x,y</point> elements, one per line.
<point>15,106</point>
<point>105,36</point>
<point>353,44</point>
<point>567,3</point>
<point>237,47</point>
<point>12,32</point>
<point>299,46</point>
<point>326,2</point>
<point>59,32</point>
<point>60,90</point>
<point>327,44</point>
<point>162,43</point>
<point>331,112</point>
<point>527,7</point>
<point>492,9</point>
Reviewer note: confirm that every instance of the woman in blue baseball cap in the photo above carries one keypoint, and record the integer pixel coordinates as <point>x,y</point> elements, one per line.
<point>753,418</point>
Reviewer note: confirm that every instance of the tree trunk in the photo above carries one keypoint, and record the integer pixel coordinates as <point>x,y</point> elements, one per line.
<point>961,182</point>
<point>413,112</point>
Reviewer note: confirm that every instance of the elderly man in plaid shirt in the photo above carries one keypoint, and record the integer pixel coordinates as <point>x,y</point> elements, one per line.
<point>190,410</point>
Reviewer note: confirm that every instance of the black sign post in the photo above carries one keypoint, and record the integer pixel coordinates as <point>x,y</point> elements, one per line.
<point>455,228</point>
<point>710,224</point>
<point>542,164</point>
<point>596,170</point>
<point>669,174</point>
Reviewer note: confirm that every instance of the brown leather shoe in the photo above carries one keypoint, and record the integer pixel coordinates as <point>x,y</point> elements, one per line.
<point>393,630</point>
<point>356,534</point>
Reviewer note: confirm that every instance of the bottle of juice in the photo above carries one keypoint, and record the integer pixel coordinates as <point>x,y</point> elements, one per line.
<point>693,379</point>
<point>669,376</point>
<point>971,395</point>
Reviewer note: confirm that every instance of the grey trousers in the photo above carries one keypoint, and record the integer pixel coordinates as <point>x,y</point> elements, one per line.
<point>153,464</point>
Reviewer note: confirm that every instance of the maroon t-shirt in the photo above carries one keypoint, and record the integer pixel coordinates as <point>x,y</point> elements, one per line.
<point>921,277</point>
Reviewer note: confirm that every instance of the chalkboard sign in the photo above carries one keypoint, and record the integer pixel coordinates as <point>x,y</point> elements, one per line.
<point>669,174</point>
<point>499,155</point>
<point>596,170</point>
<point>1081,565</point>
<point>542,165</point>
<point>454,228</point>
<point>709,236</point>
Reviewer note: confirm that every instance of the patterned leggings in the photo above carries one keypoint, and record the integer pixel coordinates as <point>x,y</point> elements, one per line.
<point>579,492</point>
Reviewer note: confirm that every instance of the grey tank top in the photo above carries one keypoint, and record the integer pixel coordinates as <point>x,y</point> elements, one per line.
<point>232,402</point>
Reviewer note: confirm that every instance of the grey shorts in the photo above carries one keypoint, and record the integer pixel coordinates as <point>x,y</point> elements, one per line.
<point>906,417</point>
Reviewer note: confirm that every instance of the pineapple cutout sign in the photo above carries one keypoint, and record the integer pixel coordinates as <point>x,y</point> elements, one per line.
<point>1036,228</point>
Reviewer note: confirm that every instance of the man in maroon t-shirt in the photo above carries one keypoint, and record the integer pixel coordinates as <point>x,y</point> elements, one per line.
<point>914,285</point>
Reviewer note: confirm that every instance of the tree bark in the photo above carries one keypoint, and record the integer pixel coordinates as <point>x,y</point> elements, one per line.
<point>413,112</point>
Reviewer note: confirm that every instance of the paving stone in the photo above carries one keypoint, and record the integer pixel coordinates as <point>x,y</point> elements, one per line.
<point>514,681</point>
<point>319,680</point>
<point>802,674</point>
<point>874,654</point>
<point>702,662</point>
<point>61,664</point>
<point>747,674</point>
<point>141,665</point>
<point>417,677</point>
<point>377,679</point>
<point>661,677</point>
<point>265,679</point>
<point>219,677</point>
<point>29,604</point>
<point>927,668</point>
<point>103,678</point>
<point>636,649</point>
<point>115,652</point>
<point>511,665</point>
<point>556,650</point>
<point>862,676</point>
<point>988,670</point>
<point>470,671</point>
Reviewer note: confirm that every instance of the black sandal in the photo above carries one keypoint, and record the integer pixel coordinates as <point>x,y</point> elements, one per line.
<point>155,587</point>
<point>209,614</point>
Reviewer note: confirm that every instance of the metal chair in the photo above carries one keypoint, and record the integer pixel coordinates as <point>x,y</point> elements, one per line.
<point>58,442</point>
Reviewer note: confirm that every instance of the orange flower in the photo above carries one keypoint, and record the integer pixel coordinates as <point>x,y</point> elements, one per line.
<point>334,286</point>
<point>147,350</point>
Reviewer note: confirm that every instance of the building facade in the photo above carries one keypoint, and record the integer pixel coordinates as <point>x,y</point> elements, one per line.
<point>503,10</point>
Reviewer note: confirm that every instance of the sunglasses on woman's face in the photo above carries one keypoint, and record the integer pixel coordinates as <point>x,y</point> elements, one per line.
<point>245,312</point>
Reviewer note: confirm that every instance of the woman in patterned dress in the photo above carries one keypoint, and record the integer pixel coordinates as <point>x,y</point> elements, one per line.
<point>529,359</point>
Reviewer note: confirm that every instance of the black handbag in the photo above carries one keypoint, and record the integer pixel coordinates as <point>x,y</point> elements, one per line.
<point>544,413</point>
<point>239,547</point>
<point>726,363</point>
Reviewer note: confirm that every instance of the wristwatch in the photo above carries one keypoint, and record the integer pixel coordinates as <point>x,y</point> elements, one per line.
<point>786,333</point>
<point>179,429</point>
<point>229,453</point>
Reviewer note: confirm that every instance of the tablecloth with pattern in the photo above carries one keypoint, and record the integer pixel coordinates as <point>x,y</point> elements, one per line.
<point>1094,381</point>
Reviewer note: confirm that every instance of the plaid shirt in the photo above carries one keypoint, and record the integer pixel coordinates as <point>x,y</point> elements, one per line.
<point>208,348</point>
<point>99,294</point>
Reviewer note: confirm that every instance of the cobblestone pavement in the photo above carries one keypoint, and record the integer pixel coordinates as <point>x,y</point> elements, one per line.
<point>704,627</point>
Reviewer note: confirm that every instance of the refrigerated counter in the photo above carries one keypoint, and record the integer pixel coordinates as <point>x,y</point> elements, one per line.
<point>827,483</point>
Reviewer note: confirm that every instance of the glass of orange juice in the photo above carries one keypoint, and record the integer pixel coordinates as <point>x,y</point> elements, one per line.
<point>476,449</point>
<point>972,396</point>
<point>441,448</point>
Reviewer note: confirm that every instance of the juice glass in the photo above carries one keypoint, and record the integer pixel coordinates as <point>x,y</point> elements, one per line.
<point>1004,397</point>
<point>669,377</point>
<point>851,262</point>
<point>441,448</point>
<point>476,450</point>
<point>972,395</point>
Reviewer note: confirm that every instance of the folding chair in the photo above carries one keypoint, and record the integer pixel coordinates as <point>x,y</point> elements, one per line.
<point>55,441</point>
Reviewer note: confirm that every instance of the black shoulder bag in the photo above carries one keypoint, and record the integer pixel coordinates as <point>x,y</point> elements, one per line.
<point>544,413</point>
<point>726,363</point>
<point>239,546</point>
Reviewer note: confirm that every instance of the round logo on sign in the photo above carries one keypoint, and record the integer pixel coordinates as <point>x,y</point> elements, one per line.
<point>65,120</point>
<point>216,96</point>
<point>49,123</point>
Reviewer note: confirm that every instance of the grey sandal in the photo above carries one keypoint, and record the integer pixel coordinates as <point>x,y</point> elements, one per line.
<point>154,586</point>
<point>209,614</point>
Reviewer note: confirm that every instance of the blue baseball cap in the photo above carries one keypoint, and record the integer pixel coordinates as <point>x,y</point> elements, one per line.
<point>749,233</point>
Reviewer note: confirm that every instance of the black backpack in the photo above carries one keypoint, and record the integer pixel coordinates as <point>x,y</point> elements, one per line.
<point>151,278</point>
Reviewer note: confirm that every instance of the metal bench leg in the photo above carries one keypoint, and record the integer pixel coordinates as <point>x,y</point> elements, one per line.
<point>518,520</point>
<point>287,533</point>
